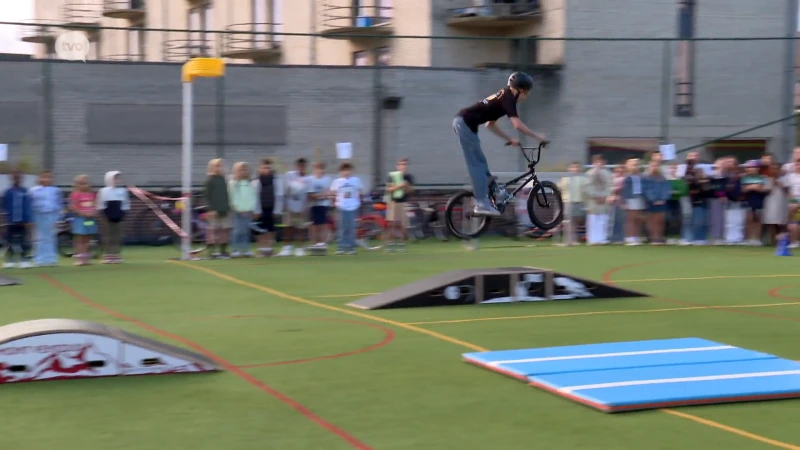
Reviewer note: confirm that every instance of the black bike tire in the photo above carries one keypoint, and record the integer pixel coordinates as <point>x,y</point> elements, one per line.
<point>448,217</point>
<point>558,197</point>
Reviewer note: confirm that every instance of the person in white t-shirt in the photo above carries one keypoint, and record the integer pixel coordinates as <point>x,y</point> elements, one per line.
<point>792,181</point>
<point>296,191</point>
<point>320,185</point>
<point>790,166</point>
<point>347,189</point>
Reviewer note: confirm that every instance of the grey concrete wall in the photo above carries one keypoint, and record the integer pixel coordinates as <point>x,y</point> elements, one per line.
<point>607,89</point>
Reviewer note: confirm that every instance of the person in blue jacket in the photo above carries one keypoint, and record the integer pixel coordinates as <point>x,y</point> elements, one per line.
<point>657,191</point>
<point>17,206</point>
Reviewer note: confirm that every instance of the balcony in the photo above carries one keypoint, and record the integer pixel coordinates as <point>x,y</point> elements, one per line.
<point>345,22</point>
<point>132,10</point>
<point>181,50</point>
<point>41,31</point>
<point>81,13</point>
<point>125,57</point>
<point>496,15</point>
<point>238,43</point>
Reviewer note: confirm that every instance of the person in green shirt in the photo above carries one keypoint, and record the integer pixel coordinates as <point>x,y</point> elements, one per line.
<point>219,207</point>
<point>678,206</point>
<point>243,199</point>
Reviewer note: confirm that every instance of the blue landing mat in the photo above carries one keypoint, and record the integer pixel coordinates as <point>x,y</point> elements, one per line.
<point>628,376</point>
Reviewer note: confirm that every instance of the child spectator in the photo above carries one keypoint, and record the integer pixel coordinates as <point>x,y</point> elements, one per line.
<point>269,192</point>
<point>679,207</point>
<point>48,203</point>
<point>657,190</point>
<point>219,209</point>
<point>320,185</point>
<point>348,191</point>
<point>754,190</point>
<point>244,204</point>
<point>616,202</point>
<point>699,192</point>
<point>633,193</point>
<point>82,204</point>
<point>572,188</point>
<point>598,189</point>
<point>296,218</point>
<point>776,203</point>
<point>17,206</point>
<point>716,203</point>
<point>793,182</point>
<point>735,206</point>
<point>399,185</point>
<point>114,203</point>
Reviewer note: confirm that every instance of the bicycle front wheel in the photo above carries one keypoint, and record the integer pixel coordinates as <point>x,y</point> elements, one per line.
<point>459,218</point>
<point>545,205</point>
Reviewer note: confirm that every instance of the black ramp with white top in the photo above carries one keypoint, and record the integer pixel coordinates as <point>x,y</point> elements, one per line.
<point>492,286</point>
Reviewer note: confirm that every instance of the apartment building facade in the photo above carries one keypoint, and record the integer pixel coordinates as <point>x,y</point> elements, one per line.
<point>348,32</point>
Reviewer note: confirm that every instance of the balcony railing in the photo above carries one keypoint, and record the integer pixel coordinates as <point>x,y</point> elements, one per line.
<point>41,31</point>
<point>356,21</point>
<point>180,50</point>
<point>238,43</point>
<point>81,12</point>
<point>125,57</point>
<point>520,12</point>
<point>133,10</point>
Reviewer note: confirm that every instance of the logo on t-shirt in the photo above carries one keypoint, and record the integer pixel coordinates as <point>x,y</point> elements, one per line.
<point>496,96</point>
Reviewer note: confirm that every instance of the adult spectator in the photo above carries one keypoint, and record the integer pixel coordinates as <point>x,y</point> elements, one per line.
<point>572,192</point>
<point>598,189</point>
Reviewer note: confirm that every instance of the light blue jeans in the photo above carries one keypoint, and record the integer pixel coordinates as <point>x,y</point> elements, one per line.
<point>347,230</point>
<point>699,223</point>
<point>45,241</point>
<point>240,241</point>
<point>477,167</point>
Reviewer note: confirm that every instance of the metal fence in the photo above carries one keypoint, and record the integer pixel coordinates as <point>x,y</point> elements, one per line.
<point>356,80</point>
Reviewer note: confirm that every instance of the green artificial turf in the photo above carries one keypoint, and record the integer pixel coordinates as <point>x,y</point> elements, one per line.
<point>389,386</point>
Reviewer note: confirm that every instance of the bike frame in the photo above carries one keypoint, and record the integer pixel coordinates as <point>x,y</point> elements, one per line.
<point>530,175</point>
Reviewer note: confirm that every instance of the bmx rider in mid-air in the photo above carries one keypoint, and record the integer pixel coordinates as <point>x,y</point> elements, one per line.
<point>488,111</point>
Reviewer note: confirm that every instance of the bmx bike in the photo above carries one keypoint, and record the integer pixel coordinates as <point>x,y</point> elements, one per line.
<point>545,204</point>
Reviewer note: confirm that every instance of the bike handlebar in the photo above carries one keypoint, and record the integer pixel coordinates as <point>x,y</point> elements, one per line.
<point>538,152</point>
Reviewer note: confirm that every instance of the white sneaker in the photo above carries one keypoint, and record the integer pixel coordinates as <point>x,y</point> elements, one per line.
<point>25,265</point>
<point>299,252</point>
<point>485,211</point>
<point>286,251</point>
<point>9,265</point>
<point>235,255</point>
<point>248,254</point>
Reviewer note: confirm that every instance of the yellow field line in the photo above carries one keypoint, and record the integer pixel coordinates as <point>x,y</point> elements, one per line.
<point>599,313</point>
<point>464,344</point>
<point>718,277</point>
<point>293,298</point>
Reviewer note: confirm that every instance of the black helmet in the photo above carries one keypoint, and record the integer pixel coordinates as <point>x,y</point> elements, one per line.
<point>521,81</point>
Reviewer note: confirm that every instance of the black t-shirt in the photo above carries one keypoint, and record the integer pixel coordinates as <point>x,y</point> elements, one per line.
<point>408,179</point>
<point>493,107</point>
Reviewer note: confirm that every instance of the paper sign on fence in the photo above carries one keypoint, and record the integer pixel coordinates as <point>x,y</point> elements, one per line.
<point>668,152</point>
<point>344,150</point>
<point>3,152</point>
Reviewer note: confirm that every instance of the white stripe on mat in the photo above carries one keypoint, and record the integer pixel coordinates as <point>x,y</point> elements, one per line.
<point>679,380</point>
<point>611,355</point>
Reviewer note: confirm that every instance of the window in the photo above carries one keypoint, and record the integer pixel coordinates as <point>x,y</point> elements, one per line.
<point>361,58</point>
<point>741,149</point>
<point>276,18</point>
<point>136,43</point>
<point>618,150</point>
<point>684,60</point>
<point>260,21</point>
<point>199,22</point>
<point>524,52</point>
<point>384,57</point>
<point>384,11</point>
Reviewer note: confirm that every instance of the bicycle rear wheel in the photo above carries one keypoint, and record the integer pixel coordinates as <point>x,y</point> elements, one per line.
<point>459,218</point>
<point>545,205</point>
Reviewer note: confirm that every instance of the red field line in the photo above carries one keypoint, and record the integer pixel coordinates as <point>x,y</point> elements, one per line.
<point>774,293</point>
<point>388,337</point>
<point>230,367</point>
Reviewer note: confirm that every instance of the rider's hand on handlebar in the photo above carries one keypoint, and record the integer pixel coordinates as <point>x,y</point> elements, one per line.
<point>513,143</point>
